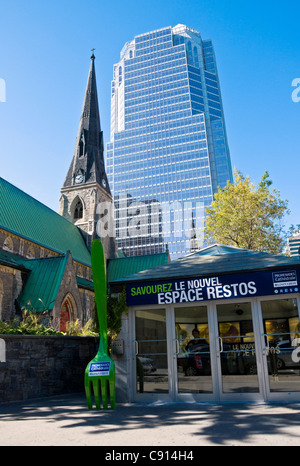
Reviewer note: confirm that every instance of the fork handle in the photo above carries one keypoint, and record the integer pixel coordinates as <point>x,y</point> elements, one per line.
<point>100,288</point>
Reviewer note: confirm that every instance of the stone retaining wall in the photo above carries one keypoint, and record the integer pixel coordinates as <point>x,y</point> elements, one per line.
<point>41,366</point>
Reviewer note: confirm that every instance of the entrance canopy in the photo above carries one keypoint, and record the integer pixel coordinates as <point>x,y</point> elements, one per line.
<point>216,272</point>
<point>221,324</point>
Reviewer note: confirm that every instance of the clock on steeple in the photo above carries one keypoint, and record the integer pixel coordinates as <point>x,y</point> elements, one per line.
<point>78,179</point>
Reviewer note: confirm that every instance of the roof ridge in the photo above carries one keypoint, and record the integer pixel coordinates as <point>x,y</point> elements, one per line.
<point>58,256</point>
<point>36,200</point>
<point>28,218</point>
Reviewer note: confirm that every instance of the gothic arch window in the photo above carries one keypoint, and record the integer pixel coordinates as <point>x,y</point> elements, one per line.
<point>65,316</point>
<point>78,210</point>
<point>80,271</point>
<point>8,244</point>
<point>30,252</point>
<point>66,313</point>
<point>81,146</point>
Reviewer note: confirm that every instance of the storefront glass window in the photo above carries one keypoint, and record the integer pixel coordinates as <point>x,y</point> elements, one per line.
<point>193,350</point>
<point>151,351</point>
<point>237,348</point>
<point>282,335</point>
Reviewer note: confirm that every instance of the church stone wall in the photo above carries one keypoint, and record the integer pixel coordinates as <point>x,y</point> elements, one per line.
<point>12,281</point>
<point>22,247</point>
<point>41,366</point>
<point>10,287</point>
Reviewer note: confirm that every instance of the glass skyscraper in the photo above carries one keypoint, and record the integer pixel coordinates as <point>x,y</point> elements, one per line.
<point>168,148</point>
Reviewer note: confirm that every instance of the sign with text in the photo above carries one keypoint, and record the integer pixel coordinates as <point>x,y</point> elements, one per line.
<point>188,290</point>
<point>285,279</point>
<point>99,369</point>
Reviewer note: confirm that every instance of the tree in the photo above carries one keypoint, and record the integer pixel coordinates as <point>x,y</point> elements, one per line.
<point>247,216</point>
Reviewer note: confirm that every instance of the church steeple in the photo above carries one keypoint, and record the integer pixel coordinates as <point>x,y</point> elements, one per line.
<point>85,196</point>
<point>88,161</point>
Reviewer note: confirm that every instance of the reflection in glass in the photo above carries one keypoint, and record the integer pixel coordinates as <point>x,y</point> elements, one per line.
<point>167,130</point>
<point>237,348</point>
<point>193,350</point>
<point>151,351</point>
<point>282,334</point>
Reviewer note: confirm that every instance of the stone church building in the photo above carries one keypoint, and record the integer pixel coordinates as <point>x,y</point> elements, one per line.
<point>45,263</point>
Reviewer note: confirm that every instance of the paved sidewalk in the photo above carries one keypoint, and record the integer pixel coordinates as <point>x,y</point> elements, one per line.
<point>65,420</point>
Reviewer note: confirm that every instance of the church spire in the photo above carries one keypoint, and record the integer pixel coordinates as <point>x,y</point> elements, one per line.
<point>85,196</point>
<point>88,161</point>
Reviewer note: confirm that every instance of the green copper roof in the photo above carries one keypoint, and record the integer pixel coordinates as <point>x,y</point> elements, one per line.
<point>41,288</point>
<point>216,259</point>
<point>26,217</point>
<point>11,260</point>
<point>84,283</point>
<point>124,266</point>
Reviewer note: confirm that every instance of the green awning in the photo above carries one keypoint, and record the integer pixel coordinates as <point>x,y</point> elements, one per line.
<point>213,260</point>
<point>125,266</point>
<point>41,288</point>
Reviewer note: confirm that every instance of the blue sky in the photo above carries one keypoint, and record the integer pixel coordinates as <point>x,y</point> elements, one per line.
<point>45,57</point>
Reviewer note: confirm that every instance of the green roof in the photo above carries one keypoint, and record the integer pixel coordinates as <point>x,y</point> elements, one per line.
<point>24,216</point>
<point>84,283</point>
<point>216,259</point>
<point>11,260</point>
<point>41,288</point>
<point>124,266</point>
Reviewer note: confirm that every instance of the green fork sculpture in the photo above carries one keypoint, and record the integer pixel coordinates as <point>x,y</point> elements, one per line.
<point>100,372</point>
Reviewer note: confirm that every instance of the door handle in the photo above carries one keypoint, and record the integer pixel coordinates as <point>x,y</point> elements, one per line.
<point>221,349</point>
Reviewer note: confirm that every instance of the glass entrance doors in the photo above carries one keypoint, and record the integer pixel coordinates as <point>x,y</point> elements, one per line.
<point>152,375</point>
<point>236,353</point>
<point>230,350</point>
<point>193,358</point>
<point>281,331</point>
<point>216,351</point>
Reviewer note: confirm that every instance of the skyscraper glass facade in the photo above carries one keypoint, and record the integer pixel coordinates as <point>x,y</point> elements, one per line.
<point>168,148</point>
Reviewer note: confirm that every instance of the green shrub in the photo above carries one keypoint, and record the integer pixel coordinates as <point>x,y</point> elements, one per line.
<point>29,325</point>
<point>75,328</point>
<point>33,323</point>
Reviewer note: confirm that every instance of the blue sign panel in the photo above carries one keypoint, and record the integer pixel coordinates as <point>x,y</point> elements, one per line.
<point>188,290</point>
<point>99,368</point>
